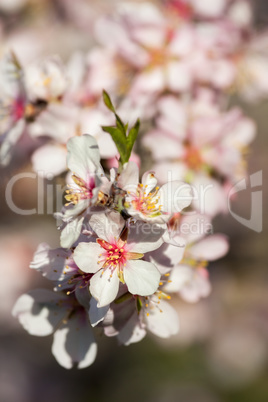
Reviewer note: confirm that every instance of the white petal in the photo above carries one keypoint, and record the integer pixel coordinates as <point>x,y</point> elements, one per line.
<point>162,146</point>
<point>132,332</point>
<point>86,256</point>
<point>175,196</point>
<point>149,81</point>
<point>163,320</point>
<point>82,294</point>
<point>74,343</point>
<point>179,76</point>
<point>49,262</point>
<point>73,210</point>
<point>10,141</point>
<point>141,277</point>
<point>194,226</point>
<point>144,237</point>
<point>104,287</point>
<point>83,156</point>
<point>179,277</point>
<point>57,121</point>
<point>149,181</point>
<point>173,118</point>
<point>107,226</point>
<point>38,311</point>
<point>198,286</point>
<point>209,8</point>
<point>71,232</point>
<point>165,170</point>
<point>107,146</point>
<point>211,248</point>
<point>168,255</point>
<point>129,178</point>
<point>97,314</point>
<point>50,159</point>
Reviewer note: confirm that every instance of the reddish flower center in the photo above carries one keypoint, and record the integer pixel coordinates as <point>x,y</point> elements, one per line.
<point>114,254</point>
<point>17,109</point>
<point>193,158</point>
<point>146,203</point>
<point>183,9</point>
<point>84,192</point>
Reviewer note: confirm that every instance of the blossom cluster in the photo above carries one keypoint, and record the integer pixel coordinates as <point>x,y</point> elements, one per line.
<point>128,239</point>
<point>120,258</point>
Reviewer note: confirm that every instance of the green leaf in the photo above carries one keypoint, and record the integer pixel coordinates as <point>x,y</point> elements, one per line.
<point>107,101</point>
<point>131,138</point>
<point>120,125</point>
<point>123,142</point>
<point>119,140</point>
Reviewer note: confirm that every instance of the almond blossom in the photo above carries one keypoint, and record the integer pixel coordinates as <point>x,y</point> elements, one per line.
<point>42,312</point>
<point>117,257</point>
<point>128,242</point>
<point>199,143</point>
<point>190,277</point>
<point>148,202</point>
<point>130,317</point>
<point>83,160</point>
<point>16,110</point>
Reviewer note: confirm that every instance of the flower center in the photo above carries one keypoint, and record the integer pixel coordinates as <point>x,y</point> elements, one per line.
<point>146,203</point>
<point>84,190</point>
<point>17,111</point>
<point>193,158</point>
<point>180,7</point>
<point>114,256</point>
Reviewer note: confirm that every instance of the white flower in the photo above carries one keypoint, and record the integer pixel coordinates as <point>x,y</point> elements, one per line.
<point>190,278</point>
<point>83,160</point>
<point>46,81</point>
<point>148,202</point>
<point>13,106</point>
<point>57,265</point>
<point>131,317</point>
<point>117,256</point>
<point>42,312</point>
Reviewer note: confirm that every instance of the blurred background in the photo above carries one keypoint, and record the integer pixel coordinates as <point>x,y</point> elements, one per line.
<point>220,354</point>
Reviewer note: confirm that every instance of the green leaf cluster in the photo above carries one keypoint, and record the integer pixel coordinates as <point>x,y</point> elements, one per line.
<point>123,137</point>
